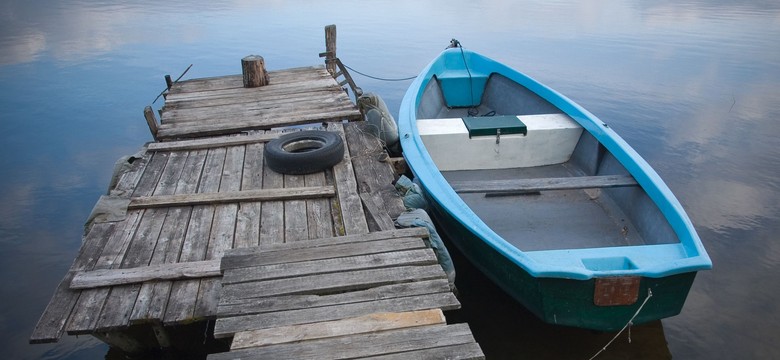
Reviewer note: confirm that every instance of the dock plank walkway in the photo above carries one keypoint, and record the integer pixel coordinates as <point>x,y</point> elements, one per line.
<point>318,299</point>
<point>218,106</point>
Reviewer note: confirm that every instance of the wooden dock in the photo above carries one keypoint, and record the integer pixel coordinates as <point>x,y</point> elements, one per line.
<point>289,265</point>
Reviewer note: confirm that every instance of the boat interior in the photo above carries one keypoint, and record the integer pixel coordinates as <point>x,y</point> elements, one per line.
<point>531,173</point>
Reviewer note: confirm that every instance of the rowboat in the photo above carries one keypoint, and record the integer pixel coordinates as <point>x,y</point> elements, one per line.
<point>544,198</point>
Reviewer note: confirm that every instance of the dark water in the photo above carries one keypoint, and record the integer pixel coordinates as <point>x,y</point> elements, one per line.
<point>694,86</point>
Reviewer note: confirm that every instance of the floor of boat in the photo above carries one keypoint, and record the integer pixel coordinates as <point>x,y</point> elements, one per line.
<point>549,220</point>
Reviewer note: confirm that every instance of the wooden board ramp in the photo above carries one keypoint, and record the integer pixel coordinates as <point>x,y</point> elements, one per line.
<point>380,294</point>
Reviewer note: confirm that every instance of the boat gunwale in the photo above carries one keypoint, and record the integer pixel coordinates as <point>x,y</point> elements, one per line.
<point>693,255</point>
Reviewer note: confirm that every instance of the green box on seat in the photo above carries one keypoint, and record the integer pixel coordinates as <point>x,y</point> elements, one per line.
<point>489,125</point>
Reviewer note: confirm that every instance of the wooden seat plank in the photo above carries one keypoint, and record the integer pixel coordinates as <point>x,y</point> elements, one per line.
<point>543,184</point>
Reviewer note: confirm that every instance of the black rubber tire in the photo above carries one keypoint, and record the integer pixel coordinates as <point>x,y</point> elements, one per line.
<point>304,152</point>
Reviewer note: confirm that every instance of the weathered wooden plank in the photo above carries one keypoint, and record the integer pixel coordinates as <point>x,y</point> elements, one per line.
<point>236,81</point>
<point>361,345</point>
<point>266,109</point>
<point>53,320</point>
<point>176,232</point>
<point>408,339</point>
<point>543,184</point>
<point>332,282</point>
<point>328,329</point>
<point>296,193</point>
<point>346,187</point>
<point>382,260</point>
<point>231,325</point>
<point>254,123</point>
<point>316,82</point>
<point>318,214</point>
<point>322,94</point>
<point>374,174</point>
<point>222,231</point>
<point>296,225</point>
<point>234,307</point>
<point>272,212</point>
<point>416,232</point>
<point>319,253</point>
<point>376,211</point>
<point>198,144</point>
<point>181,305</point>
<point>118,306</point>
<point>167,185</point>
<point>468,351</point>
<point>86,313</point>
<point>248,217</point>
<point>163,271</point>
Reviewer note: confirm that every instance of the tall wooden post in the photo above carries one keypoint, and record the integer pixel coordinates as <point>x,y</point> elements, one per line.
<point>330,48</point>
<point>253,68</point>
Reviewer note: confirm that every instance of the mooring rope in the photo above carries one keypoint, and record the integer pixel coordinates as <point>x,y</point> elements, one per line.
<point>628,325</point>
<point>379,78</point>
<point>174,81</point>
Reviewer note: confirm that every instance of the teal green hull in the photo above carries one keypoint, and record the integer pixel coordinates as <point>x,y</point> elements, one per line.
<point>564,301</point>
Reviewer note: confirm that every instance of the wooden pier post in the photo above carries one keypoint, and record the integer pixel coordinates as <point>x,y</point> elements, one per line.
<point>151,120</point>
<point>330,48</point>
<point>253,68</point>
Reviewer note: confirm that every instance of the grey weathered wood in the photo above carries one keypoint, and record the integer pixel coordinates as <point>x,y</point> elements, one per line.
<point>151,121</point>
<point>181,305</point>
<point>198,144</point>
<point>344,327</point>
<point>328,94</point>
<point>222,231</point>
<point>234,307</point>
<point>382,260</point>
<point>255,121</point>
<point>318,213</point>
<point>376,211</point>
<point>230,197</point>
<point>206,84</point>
<point>86,313</point>
<point>416,232</point>
<point>543,184</point>
<point>332,282</point>
<point>164,271</point>
<point>272,212</point>
<point>188,183</point>
<point>346,187</point>
<point>253,69</point>
<point>330,48</point>
<point>248,216</point>
<point>373,172</point>
<point>318,253</point>
<point>357,346</point>
<point>296,226</point>
<point>468,351</point>
<point>52,322</point>
<point>118,306</point>
<point>167,185</point>
<point>228,326</point>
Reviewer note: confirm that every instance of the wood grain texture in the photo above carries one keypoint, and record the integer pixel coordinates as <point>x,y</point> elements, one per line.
<point>165,271</point>
<point>344,327</point>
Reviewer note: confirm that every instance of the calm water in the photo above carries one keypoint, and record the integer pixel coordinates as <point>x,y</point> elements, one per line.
<point>694,86</point>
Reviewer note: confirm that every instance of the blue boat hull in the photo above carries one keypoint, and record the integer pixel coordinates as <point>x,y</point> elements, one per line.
<point>597,287</point>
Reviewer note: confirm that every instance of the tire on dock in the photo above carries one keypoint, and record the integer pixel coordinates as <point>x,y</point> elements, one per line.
<point>304,152</point>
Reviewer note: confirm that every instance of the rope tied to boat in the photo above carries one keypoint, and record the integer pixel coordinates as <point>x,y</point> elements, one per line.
<point>628,325</point>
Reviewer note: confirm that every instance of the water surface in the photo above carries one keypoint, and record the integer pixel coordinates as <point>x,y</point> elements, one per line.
<point>693,86</point>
